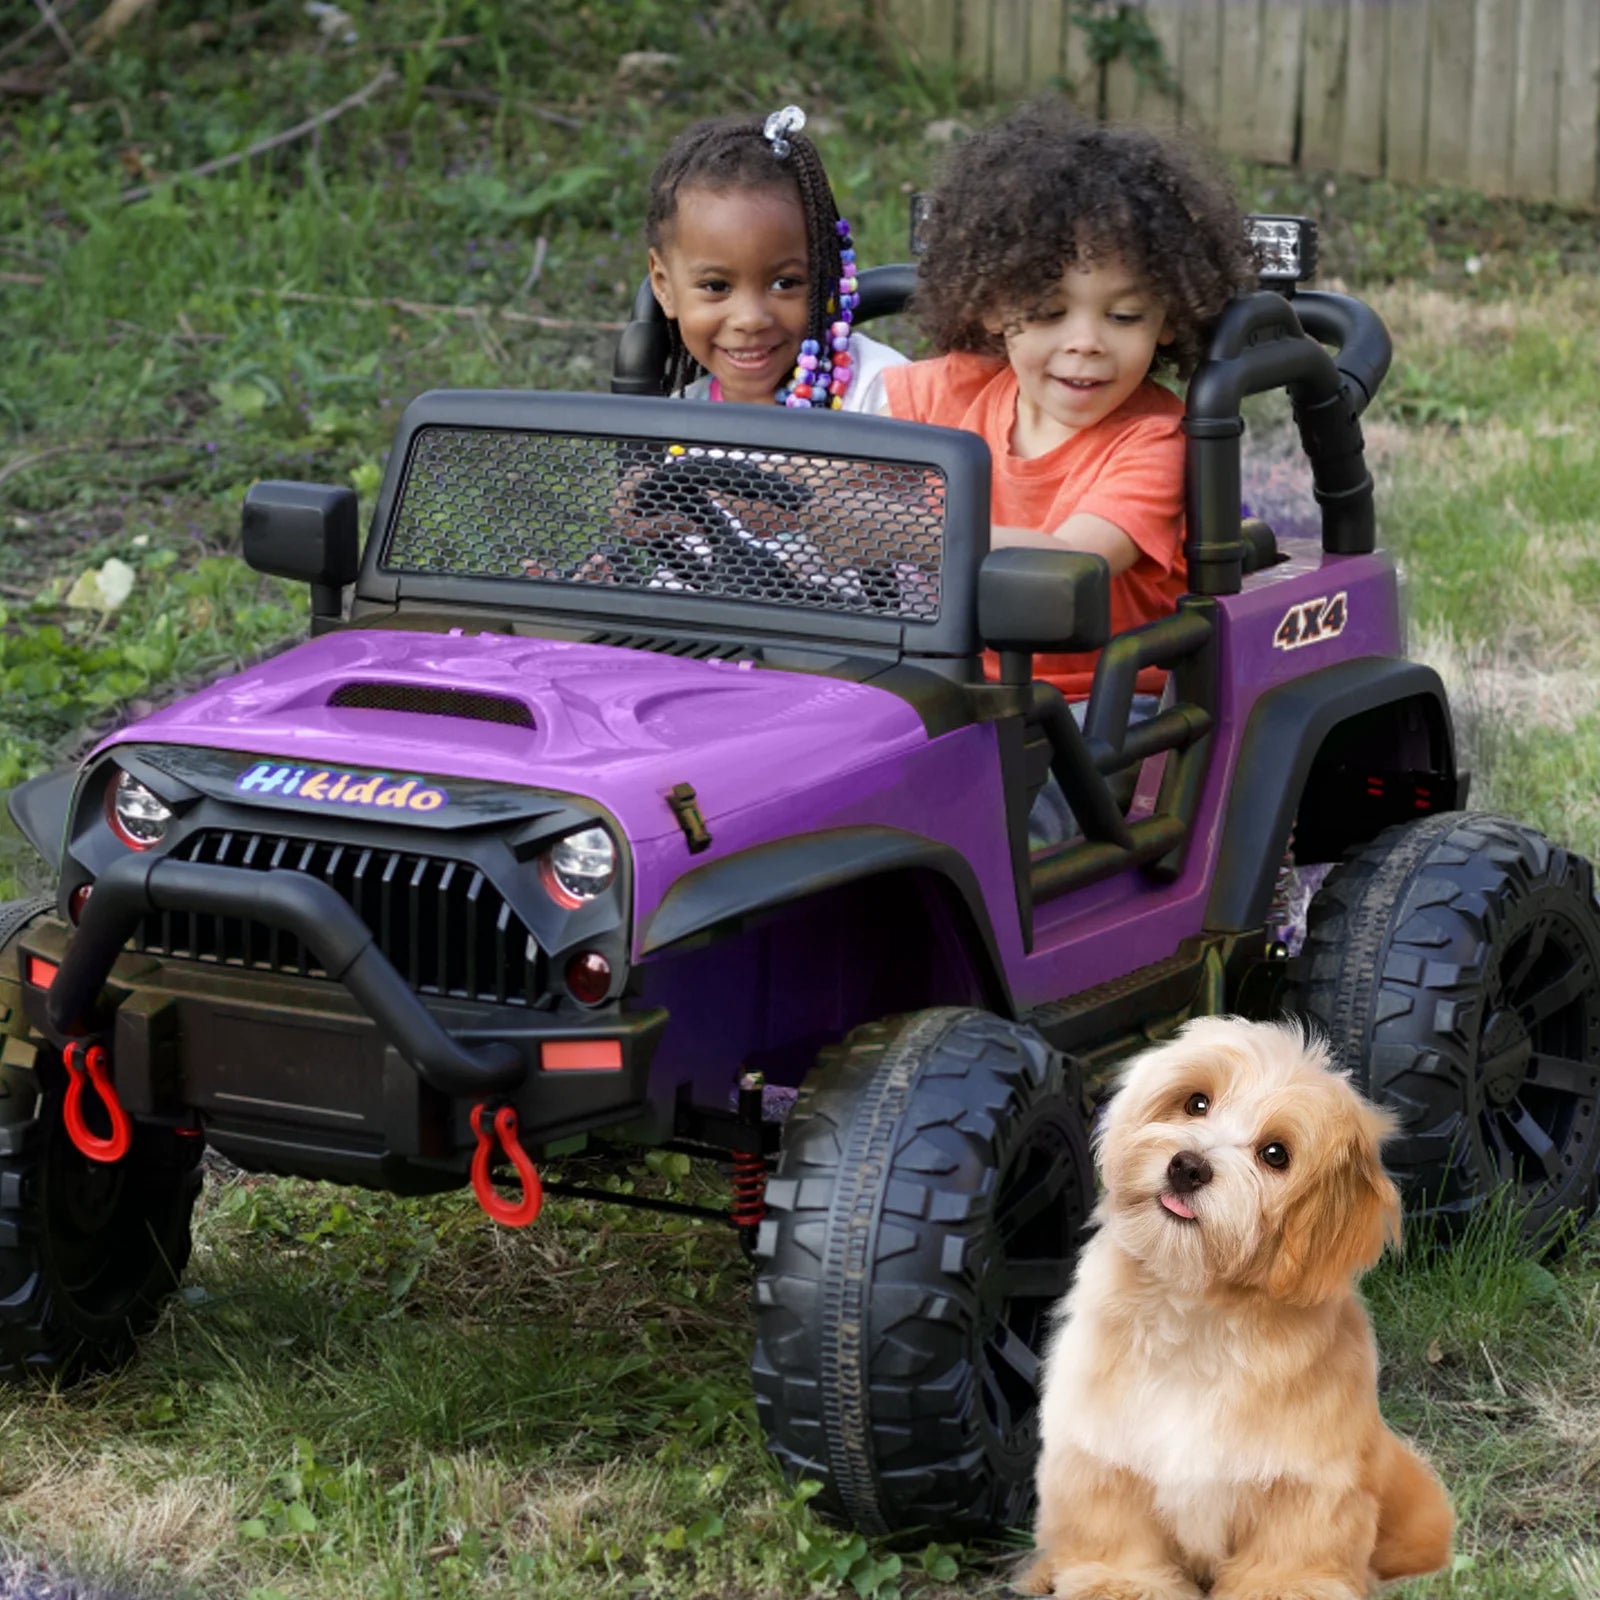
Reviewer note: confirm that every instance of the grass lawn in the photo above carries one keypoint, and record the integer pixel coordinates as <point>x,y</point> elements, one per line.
<point>362,1396</point>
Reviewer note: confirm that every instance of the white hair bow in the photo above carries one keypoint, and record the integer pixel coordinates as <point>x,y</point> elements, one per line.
<point>790,120</point>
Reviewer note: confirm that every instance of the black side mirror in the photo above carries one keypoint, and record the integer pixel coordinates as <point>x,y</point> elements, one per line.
<point>308,531</point>
<point>1042,600</point>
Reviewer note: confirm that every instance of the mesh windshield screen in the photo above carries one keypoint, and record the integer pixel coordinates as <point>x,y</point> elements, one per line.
<point>826,533</point>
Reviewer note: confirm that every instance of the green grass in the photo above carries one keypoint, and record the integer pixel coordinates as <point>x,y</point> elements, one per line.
<point>364,1396</point>
<point>358,1396</point>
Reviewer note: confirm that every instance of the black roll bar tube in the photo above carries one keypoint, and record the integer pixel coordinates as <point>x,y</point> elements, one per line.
<point>1261,343</point>
<point>305,907</point>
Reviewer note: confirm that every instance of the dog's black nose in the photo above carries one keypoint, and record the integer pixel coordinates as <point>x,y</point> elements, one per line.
<point>1187,1172</point>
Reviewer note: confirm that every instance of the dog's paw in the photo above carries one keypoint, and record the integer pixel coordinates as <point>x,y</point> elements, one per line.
<point>1037,1577</point>
<point>1291,1589</point>
<point>1094,1580</point>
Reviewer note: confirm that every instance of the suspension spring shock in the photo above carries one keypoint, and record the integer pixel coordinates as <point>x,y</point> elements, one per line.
<point>749,1166</point>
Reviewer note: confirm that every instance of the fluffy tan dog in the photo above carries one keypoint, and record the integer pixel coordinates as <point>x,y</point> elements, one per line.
<point>1209,1400</point>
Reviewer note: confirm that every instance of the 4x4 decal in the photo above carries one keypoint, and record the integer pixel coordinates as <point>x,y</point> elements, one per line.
<point>1312,622</point>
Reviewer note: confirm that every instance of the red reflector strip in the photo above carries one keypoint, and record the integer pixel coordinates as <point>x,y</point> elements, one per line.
<point>41,973</point>
<point>581,1055</point>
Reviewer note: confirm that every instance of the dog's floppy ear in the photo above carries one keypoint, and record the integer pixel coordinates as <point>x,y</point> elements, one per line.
<point>1339,1223</point>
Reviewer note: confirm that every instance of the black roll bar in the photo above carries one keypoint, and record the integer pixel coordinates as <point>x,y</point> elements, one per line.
<point>1264,341</point>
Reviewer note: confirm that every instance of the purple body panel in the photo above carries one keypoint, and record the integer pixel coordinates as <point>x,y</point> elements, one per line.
<point>774,754</point>
<point>1112,927</point>
<point>620,727</point>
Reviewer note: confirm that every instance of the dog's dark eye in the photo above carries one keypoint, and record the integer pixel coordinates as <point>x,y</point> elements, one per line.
<point>1197,1104</point>
<point>1275,1155</point>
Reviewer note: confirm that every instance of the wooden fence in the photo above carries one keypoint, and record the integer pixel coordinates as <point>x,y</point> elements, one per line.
<point>1502,96</point>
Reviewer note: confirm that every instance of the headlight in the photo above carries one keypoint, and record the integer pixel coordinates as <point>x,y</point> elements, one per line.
<point>577,868</point>
<point>138,817</point>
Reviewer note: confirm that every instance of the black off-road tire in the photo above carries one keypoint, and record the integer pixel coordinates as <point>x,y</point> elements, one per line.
<point>925,1216</point>
<point>88,1251</point>
<point>15,915</point>
<point>1454,962</point>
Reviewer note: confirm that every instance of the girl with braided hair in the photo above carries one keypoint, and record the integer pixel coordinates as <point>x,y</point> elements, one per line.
<point>755,270</point>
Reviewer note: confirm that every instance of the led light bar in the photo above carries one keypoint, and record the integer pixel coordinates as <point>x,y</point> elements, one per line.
<point>1288,247</point>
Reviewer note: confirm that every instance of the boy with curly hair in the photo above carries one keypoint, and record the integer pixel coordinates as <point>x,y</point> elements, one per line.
<point>1069,263</point>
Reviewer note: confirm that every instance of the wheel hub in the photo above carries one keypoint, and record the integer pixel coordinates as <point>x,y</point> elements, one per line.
<point>1506,1054</point>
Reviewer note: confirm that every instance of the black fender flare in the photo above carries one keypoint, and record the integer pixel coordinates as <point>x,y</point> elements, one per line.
<point>770,876</point>
<point>40,808</point>
<point>1285,732</point>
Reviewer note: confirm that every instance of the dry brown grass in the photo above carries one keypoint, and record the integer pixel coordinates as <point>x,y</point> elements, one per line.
<point>127,1512</point>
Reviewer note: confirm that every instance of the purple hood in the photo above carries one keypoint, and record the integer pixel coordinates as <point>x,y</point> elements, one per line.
<point>616,726</point>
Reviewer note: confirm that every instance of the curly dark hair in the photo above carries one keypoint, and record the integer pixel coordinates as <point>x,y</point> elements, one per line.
<point>1025,199</point>
<point>731,153</point>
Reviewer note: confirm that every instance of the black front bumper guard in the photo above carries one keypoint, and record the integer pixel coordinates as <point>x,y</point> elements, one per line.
<point>295,903</point>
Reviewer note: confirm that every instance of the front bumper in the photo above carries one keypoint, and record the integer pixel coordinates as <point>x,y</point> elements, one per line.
<point>354,1080</point>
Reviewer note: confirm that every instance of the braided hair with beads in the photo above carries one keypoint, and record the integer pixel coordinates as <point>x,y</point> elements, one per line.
<point>769,154</point>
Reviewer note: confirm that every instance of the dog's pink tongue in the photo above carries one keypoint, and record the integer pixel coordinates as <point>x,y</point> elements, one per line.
<point>1177,1207</point>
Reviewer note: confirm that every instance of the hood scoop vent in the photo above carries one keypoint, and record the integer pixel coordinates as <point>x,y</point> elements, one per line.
<point>426,702</point>
<point>689,649</point>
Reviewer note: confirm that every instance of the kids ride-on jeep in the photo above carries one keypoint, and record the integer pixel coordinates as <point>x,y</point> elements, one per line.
<point>650,768</point>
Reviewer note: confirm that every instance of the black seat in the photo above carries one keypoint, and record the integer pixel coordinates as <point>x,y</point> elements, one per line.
<point>640,364</point>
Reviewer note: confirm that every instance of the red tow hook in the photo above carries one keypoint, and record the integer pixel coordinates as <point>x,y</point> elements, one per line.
<point>505,1125</point>
<point>92,1059</point>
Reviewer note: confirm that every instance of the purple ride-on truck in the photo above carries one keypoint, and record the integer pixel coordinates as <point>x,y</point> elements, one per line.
<point>650,770</point>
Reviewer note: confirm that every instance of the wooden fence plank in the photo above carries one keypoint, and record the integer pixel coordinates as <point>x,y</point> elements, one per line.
<point>1366,63</point>
<point>1533,129</point>
<point>1405,121</point>
<point>1502,95</point>
<point>1120,87</point>
<point>1081,76</point>
<point>1045,44</point>
<point>1121,91</point>
<point>912,25</point>
<point>1578,125</point>
<point>1452,31</point>
<point>1200,73</point>
<point>1239,75</point>
<point>1277,107</point>
<point>1155,105</point>
<point>1494,96</point>
<point>939,23</point>
<point>1322,83</point>
<point>902,21</point>
<point>972,39</point>
<point>1008,72</point>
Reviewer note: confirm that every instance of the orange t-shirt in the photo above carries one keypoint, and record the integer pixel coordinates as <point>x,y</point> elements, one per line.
<point>1127,468</point>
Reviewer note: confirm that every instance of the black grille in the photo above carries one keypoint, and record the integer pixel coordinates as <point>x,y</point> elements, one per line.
<point>445,927</point>
<point>824,533</point>
<point>426,702</point>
